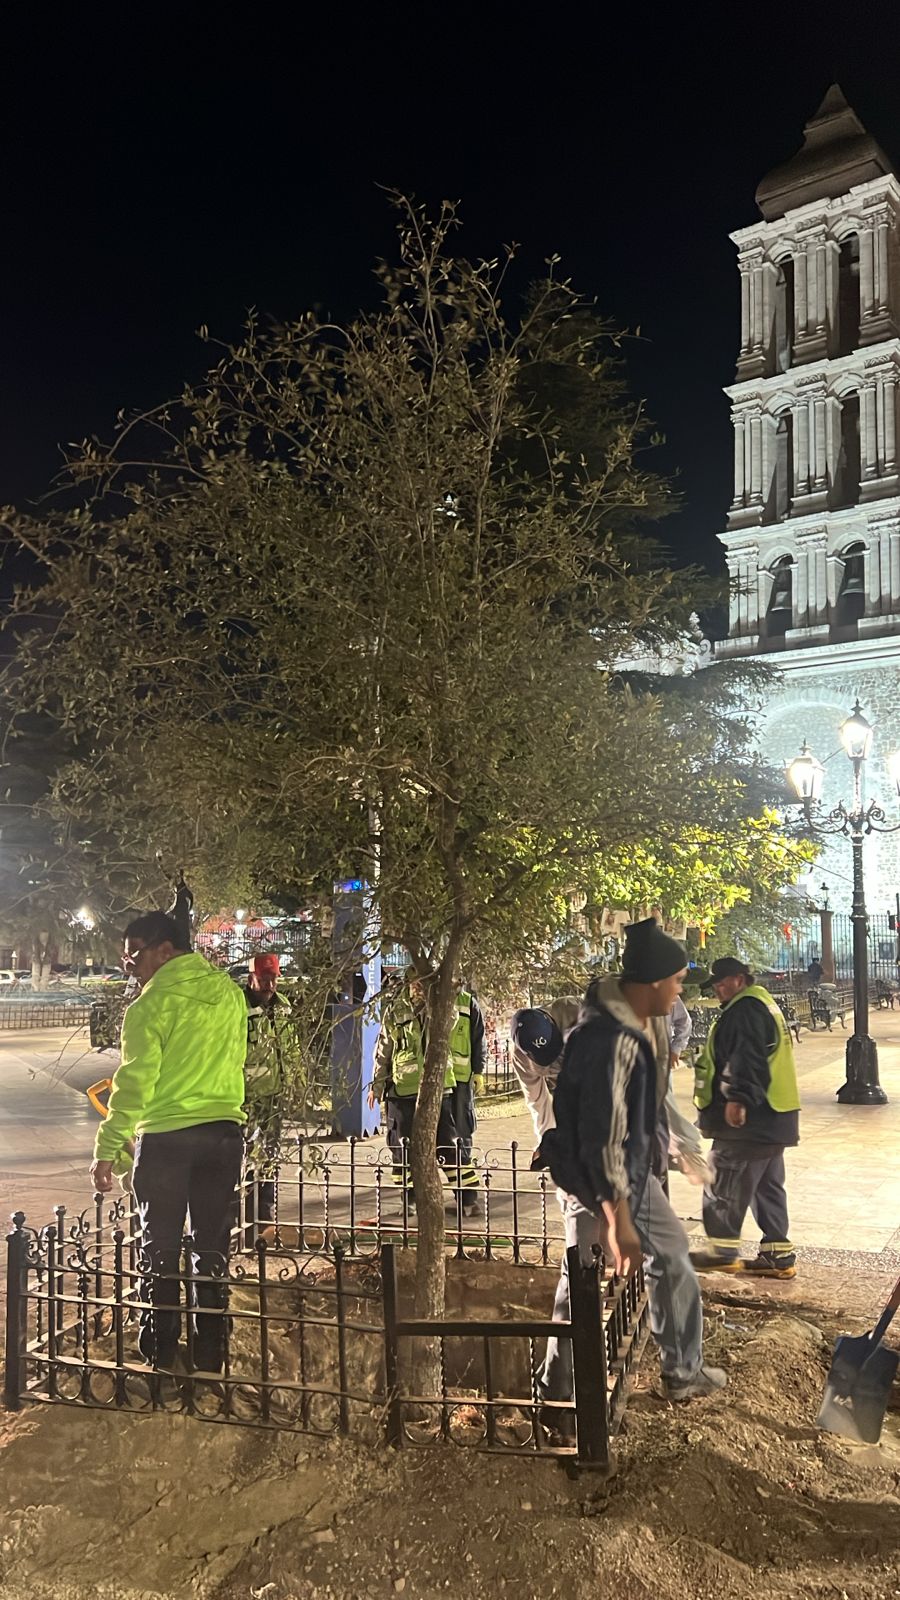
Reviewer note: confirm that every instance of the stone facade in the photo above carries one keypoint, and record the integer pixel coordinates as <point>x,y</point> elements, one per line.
<point>813,535</point>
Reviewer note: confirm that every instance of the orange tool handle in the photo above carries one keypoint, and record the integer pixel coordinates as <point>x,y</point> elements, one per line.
<point>103,1086</point>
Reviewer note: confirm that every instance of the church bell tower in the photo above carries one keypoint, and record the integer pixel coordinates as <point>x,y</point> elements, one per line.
<point>813,533</point>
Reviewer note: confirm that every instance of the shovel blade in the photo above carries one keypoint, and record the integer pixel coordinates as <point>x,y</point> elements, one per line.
<point>857,1390</point>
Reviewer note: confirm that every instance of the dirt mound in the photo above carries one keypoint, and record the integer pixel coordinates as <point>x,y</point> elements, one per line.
<point>723,1499</point>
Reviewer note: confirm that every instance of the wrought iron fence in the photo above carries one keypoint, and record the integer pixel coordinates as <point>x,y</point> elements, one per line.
<point>499,1077</point>
<point>312,1342</point>
<point>792,956</point>
<point>356,1193</point>
<point>50,1013</point>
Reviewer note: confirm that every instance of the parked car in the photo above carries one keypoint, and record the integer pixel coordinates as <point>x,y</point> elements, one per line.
<point>8,978</point>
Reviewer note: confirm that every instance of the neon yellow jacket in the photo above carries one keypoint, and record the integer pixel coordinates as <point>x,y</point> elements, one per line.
<point>183,1045</point>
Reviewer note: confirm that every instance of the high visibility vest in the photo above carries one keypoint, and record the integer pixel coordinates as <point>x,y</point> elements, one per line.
<point>408,1059</point>
<point>264,1067</point>
<point>782,1092</point>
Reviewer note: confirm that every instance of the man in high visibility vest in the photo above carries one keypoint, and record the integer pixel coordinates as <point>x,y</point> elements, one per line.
<point>268,1021</point>
<point>399,1062</point>
<point>745,1089</point>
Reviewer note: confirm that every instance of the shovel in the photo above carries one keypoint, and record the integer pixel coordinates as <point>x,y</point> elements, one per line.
<point>859,1381</point>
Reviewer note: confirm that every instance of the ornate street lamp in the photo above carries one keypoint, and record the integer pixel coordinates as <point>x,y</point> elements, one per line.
<point>805,775</point>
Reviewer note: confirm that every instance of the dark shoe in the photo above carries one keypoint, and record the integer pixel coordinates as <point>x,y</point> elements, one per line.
<point>769,1266</point>
<point>705,1381</point>
<point>470,1205</point>
<point>711,1261</point>
<point>558,1425</point>
<point>205,1365</point>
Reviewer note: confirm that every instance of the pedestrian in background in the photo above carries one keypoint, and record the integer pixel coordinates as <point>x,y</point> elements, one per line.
<point>399,1064</point>
<point>268,1028</point>
<point>538,1037</point>
<point>746,1092</point>
<point>685,1143</point>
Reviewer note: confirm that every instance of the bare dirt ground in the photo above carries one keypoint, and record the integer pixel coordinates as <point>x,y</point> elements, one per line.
<point>723,1499</point>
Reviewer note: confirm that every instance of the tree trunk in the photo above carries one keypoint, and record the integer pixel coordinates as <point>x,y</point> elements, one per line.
<point>427,1183</point>
<point>40,962</point>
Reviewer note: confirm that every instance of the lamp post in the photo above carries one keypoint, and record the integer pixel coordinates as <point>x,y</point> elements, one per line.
<point>805,775</point>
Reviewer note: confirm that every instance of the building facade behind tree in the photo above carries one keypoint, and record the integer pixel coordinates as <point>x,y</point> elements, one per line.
<point>813,534</point>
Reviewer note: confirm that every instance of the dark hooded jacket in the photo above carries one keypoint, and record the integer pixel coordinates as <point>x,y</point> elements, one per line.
<point>607,1102</point>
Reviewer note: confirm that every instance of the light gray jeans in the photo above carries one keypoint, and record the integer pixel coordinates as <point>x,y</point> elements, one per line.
<point>684,1136</point>
<point>676,1312</point>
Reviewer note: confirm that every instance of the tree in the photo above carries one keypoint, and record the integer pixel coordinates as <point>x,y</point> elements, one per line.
<point>354,607</point>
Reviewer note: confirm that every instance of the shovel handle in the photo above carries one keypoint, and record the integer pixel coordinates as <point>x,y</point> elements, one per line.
<point>887,1316</point>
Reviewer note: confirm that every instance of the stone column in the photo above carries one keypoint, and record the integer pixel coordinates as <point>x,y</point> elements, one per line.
<point>832,253</point>
<point>820,470</point>
<point>832,436</point>
<point>811,295</point>
<point>882,280</point>
<point>821,264</point>
<point>739,471</point>
<point>866,273</point>
<point>884,566</point>
<point>827,956</point>
<point>872,570</point>
<point>803,447</point>
<point>889,430</point>
<point>756,312</point>
<point>752,589</point>
<point>755,496</point>
<point>801,296</point>
<point>745,311</point>
<point>800,589</point>
<point>895,569</point>
<point>868,433</point>
<point>812,602</point>
<point>734,598</point>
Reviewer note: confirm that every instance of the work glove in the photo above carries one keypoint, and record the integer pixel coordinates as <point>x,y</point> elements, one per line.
<point>478,1082</point>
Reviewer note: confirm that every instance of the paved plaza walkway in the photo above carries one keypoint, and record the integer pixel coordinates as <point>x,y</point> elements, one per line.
<point>843,1179</point>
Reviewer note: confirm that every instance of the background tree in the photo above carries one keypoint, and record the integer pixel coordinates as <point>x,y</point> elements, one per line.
<point>355,605</point>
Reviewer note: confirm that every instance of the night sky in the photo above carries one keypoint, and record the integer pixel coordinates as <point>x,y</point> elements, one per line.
<point>175,170</point>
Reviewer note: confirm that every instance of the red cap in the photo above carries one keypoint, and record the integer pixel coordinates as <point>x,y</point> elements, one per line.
<point>265,963</point>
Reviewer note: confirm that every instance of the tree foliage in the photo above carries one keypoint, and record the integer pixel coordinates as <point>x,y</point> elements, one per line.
<point>356,604</point>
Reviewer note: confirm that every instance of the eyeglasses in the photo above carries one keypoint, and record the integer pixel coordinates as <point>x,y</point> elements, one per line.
<point>130,958</point>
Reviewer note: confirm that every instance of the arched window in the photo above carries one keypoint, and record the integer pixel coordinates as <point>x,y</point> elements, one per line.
<point>784,313</point>
<point>781,481</point>
<point>848,295</point>
<point>846,477</point>
<point>851,602</point>
<point>781,601</point>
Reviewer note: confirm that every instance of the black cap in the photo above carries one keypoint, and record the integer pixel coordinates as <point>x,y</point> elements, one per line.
<point>650,954</point>
<point>537,1035</point>
<point>727,967</point>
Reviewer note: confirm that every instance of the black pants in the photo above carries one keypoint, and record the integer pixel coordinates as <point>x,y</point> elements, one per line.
<point>747,1175</point>
<point>464,1119</point>
<point>189,1170</point>
<point>400,1112</point>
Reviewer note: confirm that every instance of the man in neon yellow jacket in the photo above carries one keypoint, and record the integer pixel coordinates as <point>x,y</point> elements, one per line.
<point>178,1093</point>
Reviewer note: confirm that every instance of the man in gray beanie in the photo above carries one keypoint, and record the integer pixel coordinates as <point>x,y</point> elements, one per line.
<point>608,1109</point>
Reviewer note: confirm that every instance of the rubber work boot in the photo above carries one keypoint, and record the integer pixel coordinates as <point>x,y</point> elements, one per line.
<point>712,1261</point>
<point>705,1381</point>
<point>767,1265</point>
